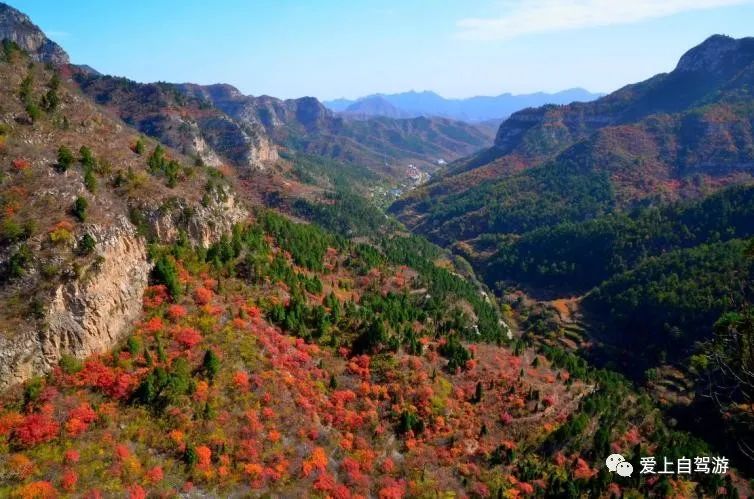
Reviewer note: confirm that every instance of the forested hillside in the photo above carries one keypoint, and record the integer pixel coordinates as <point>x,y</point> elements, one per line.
<point>678,135</point>
<point>630,218</point>
<point>186,312</point>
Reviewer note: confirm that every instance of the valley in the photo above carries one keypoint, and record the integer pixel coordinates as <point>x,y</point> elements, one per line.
<point>210,294</point>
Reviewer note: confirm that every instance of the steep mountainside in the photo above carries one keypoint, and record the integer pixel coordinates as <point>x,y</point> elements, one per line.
<point>472,109</point>
<point>188,124</point>
<point>383,144</point>
<point>81,195</point>
<point>676,135</point>
<point>160,338</point>
<point>631,216</point>
<point>286,361</point>
<point>18,28</point>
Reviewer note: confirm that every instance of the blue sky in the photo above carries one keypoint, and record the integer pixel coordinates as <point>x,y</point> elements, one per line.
<point>335,48</point>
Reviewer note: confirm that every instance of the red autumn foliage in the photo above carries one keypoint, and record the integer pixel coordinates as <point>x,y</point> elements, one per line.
<point>79,419</point>
<point>71,456</point>
<point>526,489</point>
<point>252,311</point>
<point>21,164</point>
<point>176,312</point>
<point>122,452</point>
<point>112,382</point>
<point>582,470</point>
<point>388,466</point>
<point>37,490</point>
<point>136,491</point>
<point>154,296</point>
<point>36,429</point>
<point>204,455</point>
<point>188,337</point>
<point>68,480</point>
<point>155,324</point>
<point>241,380</point>
<point>155,475</point>
<point>202,296</point>
<point>392,489</point>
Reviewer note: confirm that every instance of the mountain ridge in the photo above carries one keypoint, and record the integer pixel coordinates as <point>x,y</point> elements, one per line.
<point>472,109</point>
<point>306,124</point>
<point>651,138</point>
<point>177,338</point>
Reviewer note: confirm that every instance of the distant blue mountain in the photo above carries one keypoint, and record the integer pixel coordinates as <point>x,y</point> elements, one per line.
<point>473,109</point>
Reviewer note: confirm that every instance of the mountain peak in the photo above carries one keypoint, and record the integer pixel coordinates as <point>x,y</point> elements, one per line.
<point>18,28</point>
<point>375,105</point>
<point>717,53</point>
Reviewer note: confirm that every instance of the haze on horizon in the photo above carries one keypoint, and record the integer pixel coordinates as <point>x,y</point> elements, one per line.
<point>339,49</point>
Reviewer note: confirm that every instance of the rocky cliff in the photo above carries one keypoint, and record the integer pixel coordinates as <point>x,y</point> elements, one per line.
<point>187,123</point>
<point>86,315</point>
<point>89,314</point>
<point>18,28</point>
<point>385,145</point>
<point>72,279</point>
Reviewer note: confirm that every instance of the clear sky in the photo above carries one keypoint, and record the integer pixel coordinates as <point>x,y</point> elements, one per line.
<point>350,48</point>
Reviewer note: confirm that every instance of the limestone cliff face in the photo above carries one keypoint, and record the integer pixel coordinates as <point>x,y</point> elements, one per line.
<point>92,313</point>
<point>246,145</point>
<point>87,315</point>
<point>18,28</point>
<point>204,224</point>
<point>185,122</point>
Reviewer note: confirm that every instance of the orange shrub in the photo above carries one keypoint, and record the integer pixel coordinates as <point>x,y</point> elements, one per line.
<point>316,462</point>
<point>20,164</point>
<point>202,296</point>
<point>204,455</point>
<point>37,490</point>
<point>8,422</point>
<point>21,465</point>
<point>241,380</point>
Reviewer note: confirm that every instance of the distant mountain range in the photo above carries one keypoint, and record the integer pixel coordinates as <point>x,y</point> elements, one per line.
<point>675,135</point>
<point>220,124</point>
<point>474,109</point>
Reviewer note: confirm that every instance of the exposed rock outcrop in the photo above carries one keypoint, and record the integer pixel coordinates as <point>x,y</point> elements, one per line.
<point>87,315</point>
<point>18,28</point>
<point>188,124</point>
<point>307,126</point>
<point>203,224</point>
<point>90,314</point>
